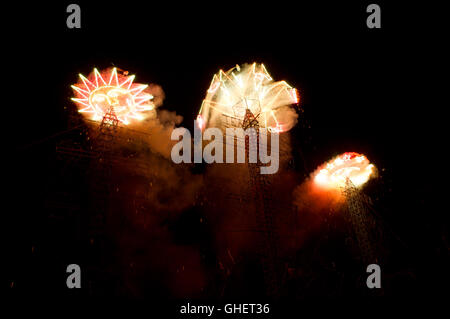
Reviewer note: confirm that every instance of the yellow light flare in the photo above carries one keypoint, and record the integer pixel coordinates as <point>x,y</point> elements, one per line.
<point>95,95</point>
<point>249,87</point>
<point>333,174</point>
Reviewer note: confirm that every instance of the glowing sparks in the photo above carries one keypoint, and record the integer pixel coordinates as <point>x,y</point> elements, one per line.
<point>356,167</point>
<point>95,95</point>
<point>200,122</point>
<point>250,87</point>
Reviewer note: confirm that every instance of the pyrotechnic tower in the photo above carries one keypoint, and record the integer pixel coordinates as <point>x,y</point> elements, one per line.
<point>358,215</point>
<point>260,188</point>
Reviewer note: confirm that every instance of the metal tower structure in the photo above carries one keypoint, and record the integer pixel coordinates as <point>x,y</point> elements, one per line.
<point>101,170</point>
<point>358,215</point>
<point>101,189</point>
<point>250,121</point>
<point>260,185</point>
<point>89,152</point>
<point>81,189</point>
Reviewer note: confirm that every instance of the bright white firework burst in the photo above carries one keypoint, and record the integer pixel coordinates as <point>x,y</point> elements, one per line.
<point>95,96</point>
<point>353,166</point>
<point>249,87</point>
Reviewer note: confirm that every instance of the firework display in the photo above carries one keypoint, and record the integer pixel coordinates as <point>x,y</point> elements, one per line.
<point>249,87</point>
<point>248,95</point>
<point>350,165</point>
<point>99,92</point>
<point>242,156</point>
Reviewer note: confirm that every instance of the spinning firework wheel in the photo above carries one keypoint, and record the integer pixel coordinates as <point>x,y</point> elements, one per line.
<point>249,88</point>
<point>96,95</point>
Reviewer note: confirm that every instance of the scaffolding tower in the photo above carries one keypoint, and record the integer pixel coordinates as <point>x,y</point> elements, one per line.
<point>358,215</point>
<point>101,188</point>
<point>90,151</point>
<point>260,185</point>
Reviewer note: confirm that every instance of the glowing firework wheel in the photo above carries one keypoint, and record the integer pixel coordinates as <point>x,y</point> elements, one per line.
<point>252,88</point>
<point>96,96</point>
<point>349,166</point>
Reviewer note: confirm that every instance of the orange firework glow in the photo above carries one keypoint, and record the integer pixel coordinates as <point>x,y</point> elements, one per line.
<point>99,92</point>
<point>333,174</point>
<point>250,87</point>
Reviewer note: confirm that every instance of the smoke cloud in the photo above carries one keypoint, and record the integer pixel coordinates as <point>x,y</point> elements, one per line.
<point>150,195</point>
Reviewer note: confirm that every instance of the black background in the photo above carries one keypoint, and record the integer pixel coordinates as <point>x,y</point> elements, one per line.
<point>366,90</point>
